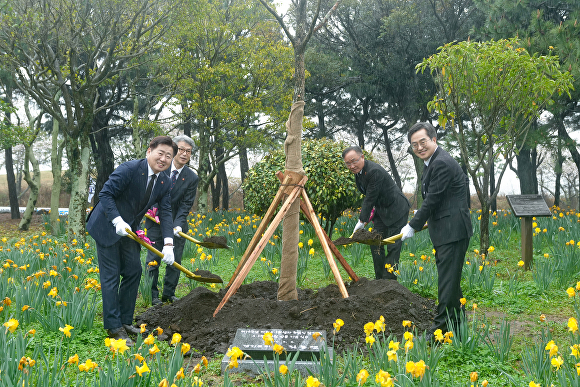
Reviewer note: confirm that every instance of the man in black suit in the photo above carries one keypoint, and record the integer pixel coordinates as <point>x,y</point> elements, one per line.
<point>123,201</point>
<point>391,208</point>
<point>445,208</point>
<point>183,190</point>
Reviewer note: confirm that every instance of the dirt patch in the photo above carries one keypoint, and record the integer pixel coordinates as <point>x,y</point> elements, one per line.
<point>217,241</point>
<point>255,306</point>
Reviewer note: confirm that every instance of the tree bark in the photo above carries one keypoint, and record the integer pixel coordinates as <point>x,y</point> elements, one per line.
<point>394,171</point>
<point>56,168</point>
<point>244,164</point>
<point>33,184</point>
<point>78,157</point>
<point>11,179</point>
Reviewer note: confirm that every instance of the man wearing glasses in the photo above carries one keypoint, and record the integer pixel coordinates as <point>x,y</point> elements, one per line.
<point>391,208</point>
<point>183,191</point>
<point>445,208</point>
<point>123,201</point>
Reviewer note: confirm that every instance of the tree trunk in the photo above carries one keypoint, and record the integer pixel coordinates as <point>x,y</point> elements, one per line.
<point>203,168</point>
<point>570,144</point>
<point>493,202</point>
<point>394,171</point>
<point>102,154</point>
<point>558,172</point>
<point>225,187</point>
<point>56,167</point>
<point>78,157</point>
<point>419,167</point>
<point>33,184</point>
<point>526,171</point>
<point>467,189</point>
<point>244,164</point>
<point>12,194</point>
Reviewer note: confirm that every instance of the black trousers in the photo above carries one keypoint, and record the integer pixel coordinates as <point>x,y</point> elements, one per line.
<point>449,259</point>
<point>120,273</point>
<point>393,250</point>
<point>171,278</point>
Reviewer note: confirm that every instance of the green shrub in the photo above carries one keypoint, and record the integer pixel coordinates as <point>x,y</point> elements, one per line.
<point>330,186</point>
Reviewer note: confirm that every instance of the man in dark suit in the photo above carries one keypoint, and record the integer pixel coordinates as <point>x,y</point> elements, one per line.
<point>446,210</point>
<point>184,187</point>
<point>391,208</point>
<point>123,201</point>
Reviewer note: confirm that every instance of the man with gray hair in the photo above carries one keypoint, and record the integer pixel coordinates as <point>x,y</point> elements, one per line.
<point>183,191</point>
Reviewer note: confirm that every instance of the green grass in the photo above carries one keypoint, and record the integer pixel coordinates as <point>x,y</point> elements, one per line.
<point>516,295</point>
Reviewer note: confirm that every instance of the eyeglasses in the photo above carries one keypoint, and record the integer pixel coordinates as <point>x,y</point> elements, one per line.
<point>352,162</point>
<point>422,142</point>
<point>186,151</point>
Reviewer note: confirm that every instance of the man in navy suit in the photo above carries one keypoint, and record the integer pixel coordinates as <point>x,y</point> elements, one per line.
<point>183,191</point>
<point>391,208</point>
<point>123,201</point>
<point>445,208</point>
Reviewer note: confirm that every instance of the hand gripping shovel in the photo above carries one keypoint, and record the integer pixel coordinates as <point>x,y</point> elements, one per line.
<point>208,244</point>
<point>188,274</point>
<point>386,241</point>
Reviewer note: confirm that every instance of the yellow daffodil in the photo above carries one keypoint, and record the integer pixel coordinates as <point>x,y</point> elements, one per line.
<point>572,324</point>
<point>176,338</point>
<point>575,351</point>
<point>204,361</point>
<point>408,336</point>
<point>53,292</point>
<point>407,323</point>
<point>394,345</point>
<point>370,340</point>
<point>520,263</point>
<point>154,350</point>
<point>484,383</point>
<point>180,374</point>
<point>542,317</point>
<point>283,369</point>
<point>278,349</point>
<point>339,324</point>
<point>392,356</point>
<point>11,325</point>
<point>316,335</point>
<point>197,368</point>
<point>384,379</point>
<point>163,383</point>
<point>463,301</point>
<point>473,377</point>
<point>416,369</point>
<point>268,339</point>
<point>312,382</point>
<point>552,348</point>
<point>438,334</point>
<point>87,366</point>
<point>73,359</point>
<point>142,328</point>
<point>66,330</point>
<point>139,357</point>
<point>362,376</point>
<point>149,340</point>
<point>141,370</point>
<point>557,362</point>
<point>571,292</point>
<point>196,382</point>
<point>408,345</point>
<point>369,328</point>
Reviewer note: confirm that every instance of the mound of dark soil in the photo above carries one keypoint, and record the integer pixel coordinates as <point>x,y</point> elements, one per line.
<point>255,306</point>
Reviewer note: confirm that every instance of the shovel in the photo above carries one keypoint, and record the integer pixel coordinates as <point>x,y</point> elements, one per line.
<point>188,274</point>
<point>209,245</point>
<point>386,241</point>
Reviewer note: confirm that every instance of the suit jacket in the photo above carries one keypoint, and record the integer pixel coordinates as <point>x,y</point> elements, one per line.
<point>382,193</point>
<point>444,191</point>
<point>121,195</point>
<point>182,197</point>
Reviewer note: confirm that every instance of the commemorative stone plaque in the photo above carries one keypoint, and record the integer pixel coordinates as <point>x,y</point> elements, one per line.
<point>251,342</point>
<point>526,207</point>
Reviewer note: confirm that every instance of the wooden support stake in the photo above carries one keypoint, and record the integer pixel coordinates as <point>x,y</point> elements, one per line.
<point>262,226</point>
<point>333,248</point>
<point>324,243</point>
<point>261,244</point>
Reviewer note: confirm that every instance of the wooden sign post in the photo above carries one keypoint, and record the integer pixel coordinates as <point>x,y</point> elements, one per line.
<point>527,207</point>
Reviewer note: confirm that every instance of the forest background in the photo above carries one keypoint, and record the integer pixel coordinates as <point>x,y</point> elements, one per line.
<point>86,84</point>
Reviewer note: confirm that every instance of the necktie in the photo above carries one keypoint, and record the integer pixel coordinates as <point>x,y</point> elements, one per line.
<point>147,195</point>
<point>174,177</point>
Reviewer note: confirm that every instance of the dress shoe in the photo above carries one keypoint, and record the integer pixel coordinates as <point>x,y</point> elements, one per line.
<point>120,334</point>
<point>156,301</point>
<point>170,299</point>
<point>131,329</point>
